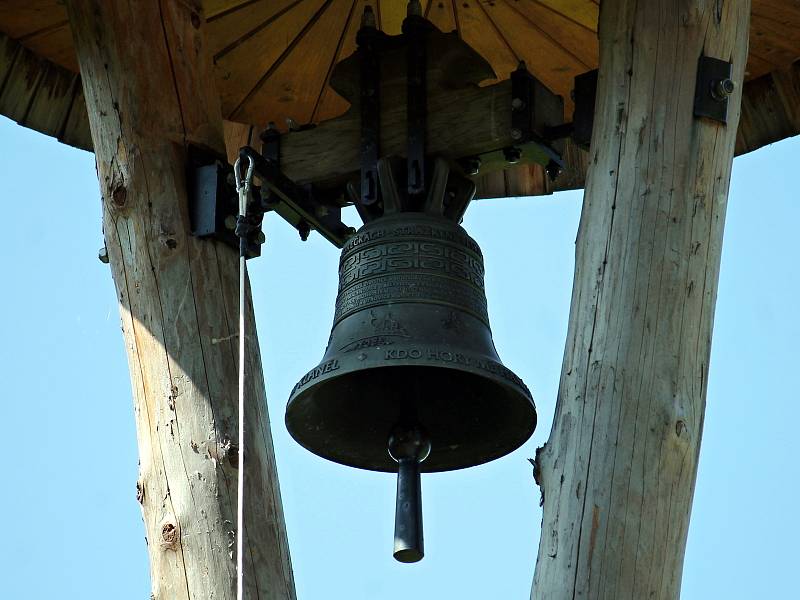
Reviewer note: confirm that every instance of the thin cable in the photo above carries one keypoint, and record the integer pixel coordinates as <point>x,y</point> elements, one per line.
<point>243,187</point>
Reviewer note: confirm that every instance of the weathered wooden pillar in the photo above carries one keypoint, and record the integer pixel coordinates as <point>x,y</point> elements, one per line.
<point>618,470</point>
<point>150,92</point>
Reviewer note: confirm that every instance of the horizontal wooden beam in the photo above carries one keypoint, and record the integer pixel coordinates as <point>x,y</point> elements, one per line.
<point>462,122</point>
<point>48,98</point>
<point>474,120</point>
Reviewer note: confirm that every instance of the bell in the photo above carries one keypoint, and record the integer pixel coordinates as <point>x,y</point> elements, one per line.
<point>411,380</point>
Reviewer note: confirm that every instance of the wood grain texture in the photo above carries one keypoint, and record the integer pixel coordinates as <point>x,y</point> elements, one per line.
<point>149,86</point>
<point>273,56</point>
<point>238,27</point>
<point>42,95</point>
<point>617,473</point>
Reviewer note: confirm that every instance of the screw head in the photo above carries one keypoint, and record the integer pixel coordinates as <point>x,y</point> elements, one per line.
<point>517,104</point>
<point>516,134</point>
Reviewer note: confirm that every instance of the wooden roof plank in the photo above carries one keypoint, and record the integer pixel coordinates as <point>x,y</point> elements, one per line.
<point>249,64</point>
<point>216,9</point>
<point>285,94</point>
<point>234,29</point>
<point>53,100</point>
<point>442,14</point>
<point>558,70</point>
<point>76,130</point>
<point>20,84</point>
<point>773,41</point>
<point>769,109</point>
<point>330,103</point>
<point>573,37</point>
<point>41,95</point>
<point>786,12</point>
<point>479,31</point>
<point>20,18</point>
<point>583,12</point>
<point>56,44</point>
<point>391,14</point>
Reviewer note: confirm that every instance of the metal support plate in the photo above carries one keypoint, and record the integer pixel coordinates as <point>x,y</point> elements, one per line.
<point>714,86</point>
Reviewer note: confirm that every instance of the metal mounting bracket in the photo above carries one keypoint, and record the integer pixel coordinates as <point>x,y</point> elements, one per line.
<point>303,206</point>
<point>584,94</point>
<point>214,202</point>
<point>714,87</point>
<point>369,40</point>
<point>415,28</point>
<point>536,113</point>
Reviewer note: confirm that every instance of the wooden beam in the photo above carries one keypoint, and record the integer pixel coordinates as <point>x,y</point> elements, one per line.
<point>477,119</point>
<point>149,87</point>
<point>467,121</point>
<point>617,473</point>
<point>769,114</point>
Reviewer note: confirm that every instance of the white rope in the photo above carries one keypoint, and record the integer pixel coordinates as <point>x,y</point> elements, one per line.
<point>243,187</point>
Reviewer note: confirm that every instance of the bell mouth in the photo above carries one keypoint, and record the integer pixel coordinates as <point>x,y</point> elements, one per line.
<point>471,415</point>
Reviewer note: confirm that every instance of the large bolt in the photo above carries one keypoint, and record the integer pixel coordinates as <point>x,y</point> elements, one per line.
<point>722,88</point>
<point>368,18</point>
<point>512,155</point>
<point>517,104</point>
<point>304,229</point>
<point>103,255</point>
<point>472,166</point>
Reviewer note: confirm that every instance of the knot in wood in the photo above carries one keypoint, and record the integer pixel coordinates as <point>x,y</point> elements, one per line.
<point>119,196</point>
<point>169,536</point>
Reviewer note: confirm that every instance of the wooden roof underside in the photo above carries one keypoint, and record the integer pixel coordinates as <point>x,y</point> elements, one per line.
<point>274,59</point>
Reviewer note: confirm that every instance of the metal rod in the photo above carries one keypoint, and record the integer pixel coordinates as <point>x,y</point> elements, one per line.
<point>409,446</point>
<point>409,544</point>
<point>415,28</point>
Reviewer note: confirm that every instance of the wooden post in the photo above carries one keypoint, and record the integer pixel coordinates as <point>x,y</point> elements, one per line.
<point>618,471</point>
<point>150,92</point>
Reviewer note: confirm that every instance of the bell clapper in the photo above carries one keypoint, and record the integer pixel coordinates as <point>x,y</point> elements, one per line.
<point>409,446</point>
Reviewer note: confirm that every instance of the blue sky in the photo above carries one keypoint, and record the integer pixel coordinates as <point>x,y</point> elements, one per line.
<point>72,527</point>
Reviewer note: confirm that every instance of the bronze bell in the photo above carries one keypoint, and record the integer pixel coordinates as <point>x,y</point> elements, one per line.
<point>411,380</point>
<point>411,358</point>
